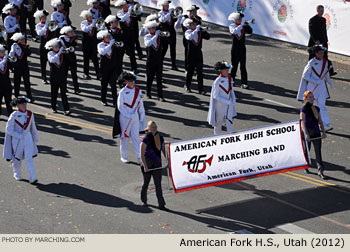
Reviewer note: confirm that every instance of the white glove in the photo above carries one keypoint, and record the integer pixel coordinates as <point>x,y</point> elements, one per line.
<point>158,32</point>
<point>198,27</point>
<point>111,41</point>
<point>16,26</point>
<point>130,9</point>
<point>171,10</point>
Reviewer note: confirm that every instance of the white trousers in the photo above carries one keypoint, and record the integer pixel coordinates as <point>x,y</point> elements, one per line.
<point>220,118</point>
<point>16,164</point>
<point>134,135</point>
<point>321,103</point>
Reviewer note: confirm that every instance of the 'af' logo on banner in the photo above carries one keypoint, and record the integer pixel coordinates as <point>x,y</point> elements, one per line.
<point>193,163</point>
<point>283,10</point>
<point>241,5</point>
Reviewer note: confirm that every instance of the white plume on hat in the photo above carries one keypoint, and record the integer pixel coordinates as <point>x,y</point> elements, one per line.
<point>66,29</point>
<point>7,8</point>
<point>102,34</point>
<point>150,24</point>
<point>51,43</point>
<point>187,22</point>
<point>111,18</point>
<point>2,47</point>
<point>86,13</point>
<point>163,2</point>
<point>17,36</point>
<point>89,2</point>
<point>151,17</point>
<point>120,3</point>
<point>193,7</point>
<point>55,3</point>
<point>234,16</point>
<point>39,13</point>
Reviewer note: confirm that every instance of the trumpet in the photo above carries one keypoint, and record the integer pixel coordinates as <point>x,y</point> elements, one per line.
<point>164,34</point>
<point>68,50</point>
<point>53,26</point>
<point>137,10</point>
<point>118,44</point>
<point>100,24</point>
<point>252,21</point>
<point>177,12</point>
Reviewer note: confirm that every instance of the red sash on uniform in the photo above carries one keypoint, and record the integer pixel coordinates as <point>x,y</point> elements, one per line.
<point>229,84</point>
<point>199,38</point>
<point>323,66</point>
<point>25,126</point>
<point>242,33</point>
<point>137,90</point>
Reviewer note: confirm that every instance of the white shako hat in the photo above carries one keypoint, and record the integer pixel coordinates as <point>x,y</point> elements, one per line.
<point>2,47</point>
<point>66,29</point>
<point>120,3</point>
<point>187,22</point>
<point>55,3</point>
<point>111,18</point>
<point>17,36</point>
<point>86,13</point>
<point>41,13</point>
<point>163,2</point>
<point>103,33</point>
<point>235,15</point>
<point>51,43</point>
<point>150,24</point>
<point>90,2</point>
<point>151,17</point>
<point>7,8</point>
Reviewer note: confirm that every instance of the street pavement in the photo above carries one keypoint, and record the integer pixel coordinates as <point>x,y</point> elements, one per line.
<point>84,188</point>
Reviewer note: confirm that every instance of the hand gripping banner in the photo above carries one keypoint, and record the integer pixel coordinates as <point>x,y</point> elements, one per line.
<point>221,159</point>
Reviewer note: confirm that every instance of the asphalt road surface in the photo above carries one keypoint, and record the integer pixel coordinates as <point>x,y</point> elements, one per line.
<point>84,188</point>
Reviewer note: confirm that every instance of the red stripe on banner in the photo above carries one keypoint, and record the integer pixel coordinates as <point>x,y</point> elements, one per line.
<point>171,174</point>
<point>237,179</point>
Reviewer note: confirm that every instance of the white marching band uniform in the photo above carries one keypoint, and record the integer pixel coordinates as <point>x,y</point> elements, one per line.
<point>132,119</point>
<point>21,142</point>
<point>60,18</point>
<point>11,24</point>
<point>314,78</point>
<point>222,104</point>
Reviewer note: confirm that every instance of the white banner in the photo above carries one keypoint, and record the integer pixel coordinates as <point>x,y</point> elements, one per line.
<point>222,159</point>
<point>285,20</point>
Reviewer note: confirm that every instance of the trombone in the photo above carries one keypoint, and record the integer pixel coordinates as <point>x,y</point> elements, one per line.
<point>13,59</point>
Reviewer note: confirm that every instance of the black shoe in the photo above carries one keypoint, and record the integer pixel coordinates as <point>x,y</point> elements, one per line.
<point>307,171</point>
<point>333,73</point>
<point>163,208</point>
<point>141,56</point>
<point>244,86</point>
<point>87,77</point>
<point>202,92</point>
<point>174,67</point>
<point>44,82</point>
<point>35,39</point>
<point>98,77</point>
<point>144,204</point>
<point>321,175</point>
<point>104,103</point>
<point>54,111</point>
<point>188,90</point>
<point>66,113</point>
<point>134,71</point>
<point>149,96</point>
<point>33,182</point>
<point>77,92</point>
<point>161,99</point>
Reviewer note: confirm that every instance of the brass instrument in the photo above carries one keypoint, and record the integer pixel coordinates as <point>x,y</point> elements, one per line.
<point>118,44</point>
<point>100,24</point>
<point>68,50</point>
<point>12,59</point>
<point>206,28</point>
<point>177,12</point>
<point>164,34</point>
<point>137,10</point>
<point>53,26</point>
<point>2,31</point>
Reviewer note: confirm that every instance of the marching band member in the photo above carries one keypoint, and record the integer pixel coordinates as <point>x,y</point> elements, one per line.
<point>151,17</point>
<point>45,35</point>
<point>68,40</point>
<point>21,139</point>
<point>58,15</point>
<point>95,8</point>
<point>192,13</point>
<point>154,62</point>
<point>66,10</point>
<point>2,5</point>
<point>22,13</point>
<point>136,18</point>
<point>118,35</point>
<point>11,22</point>
<point>127,27</point>
<point>5,82</point>
<point>222,100</point>
<point>20,51</point>
<point>195,36</point>
<point>130,117</point>
<point>89,43</point>
<point>58,74</point>
<point>107,50</point>
<point>106,8</point>
<point>167,22</point>
<point>314,78</point>
<point>238,50</point>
